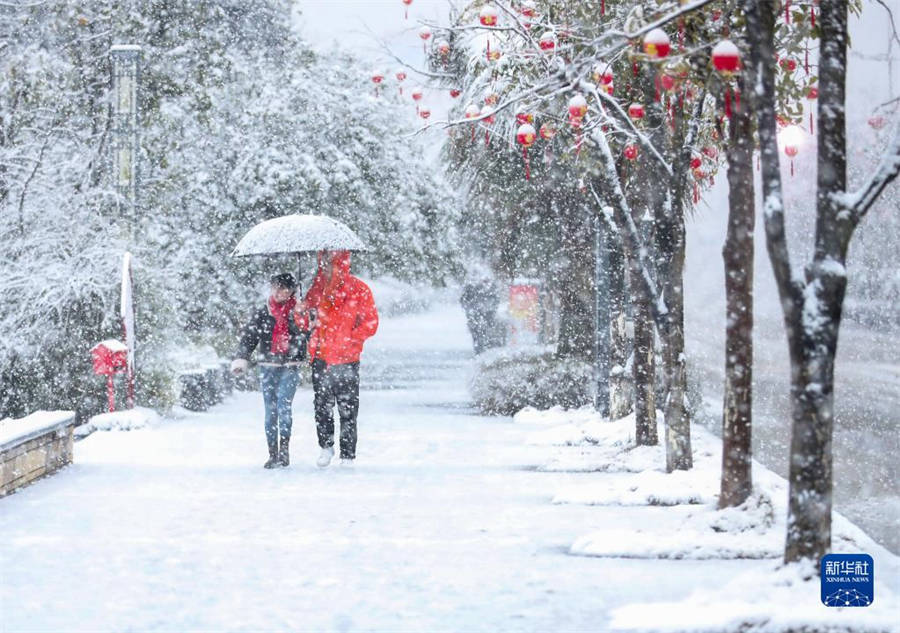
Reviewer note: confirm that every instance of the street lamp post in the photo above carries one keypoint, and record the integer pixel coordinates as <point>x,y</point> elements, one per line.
<point>126,66</point>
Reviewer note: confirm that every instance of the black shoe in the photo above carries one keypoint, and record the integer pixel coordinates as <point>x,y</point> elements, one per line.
<point>273,458</point>
<point>284,453</point>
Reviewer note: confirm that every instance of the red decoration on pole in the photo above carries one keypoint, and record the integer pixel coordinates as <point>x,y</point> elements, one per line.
<point>657,44</point>
<point>108,358</point>
<point>526,137</point>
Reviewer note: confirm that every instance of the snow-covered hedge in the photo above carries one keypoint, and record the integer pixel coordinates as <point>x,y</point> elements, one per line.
<point>507,380</point>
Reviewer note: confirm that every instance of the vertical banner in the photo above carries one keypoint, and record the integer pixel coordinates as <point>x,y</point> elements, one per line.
<point>127,311</point>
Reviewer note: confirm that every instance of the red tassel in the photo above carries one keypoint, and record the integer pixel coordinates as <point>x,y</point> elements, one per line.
<point>406,14</point>
<point>812,16</point>
<point>527,165</point>
<point>681,33</point>
<point>634,68</point>
<point>602,7</point>
<point>811,123</point>
<point>696,192</point>
<point>487,138</point>
<point>792,168</point>
<point>787,11</point>
<point>806,61</point>
<point>728,102</point>
<point>656,88</point>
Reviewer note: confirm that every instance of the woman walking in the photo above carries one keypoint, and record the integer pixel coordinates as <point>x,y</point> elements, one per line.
<point>281,346</point>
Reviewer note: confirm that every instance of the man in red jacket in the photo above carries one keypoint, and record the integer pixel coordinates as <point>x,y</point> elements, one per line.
<point>341,315</point>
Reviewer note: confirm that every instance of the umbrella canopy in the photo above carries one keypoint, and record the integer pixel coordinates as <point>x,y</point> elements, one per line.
<point>297,234</point>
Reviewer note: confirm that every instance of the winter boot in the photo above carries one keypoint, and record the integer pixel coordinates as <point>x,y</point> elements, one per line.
<point>273,457</point>
<point>284,453</point>
<point>325,457</point>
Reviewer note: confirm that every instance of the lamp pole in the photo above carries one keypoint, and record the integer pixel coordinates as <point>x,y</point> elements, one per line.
<point>126,66</point>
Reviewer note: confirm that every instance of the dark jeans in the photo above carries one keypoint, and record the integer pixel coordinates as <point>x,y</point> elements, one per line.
<point>278,387</point>
<point>336,384</point>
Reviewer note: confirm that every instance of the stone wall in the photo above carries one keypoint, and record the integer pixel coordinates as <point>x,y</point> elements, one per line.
<point>38,453</point>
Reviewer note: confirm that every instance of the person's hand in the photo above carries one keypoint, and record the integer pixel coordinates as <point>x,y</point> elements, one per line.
<point>239,366</point>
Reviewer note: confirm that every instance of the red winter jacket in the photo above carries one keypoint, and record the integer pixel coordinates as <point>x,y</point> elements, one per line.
<point>345,313</point>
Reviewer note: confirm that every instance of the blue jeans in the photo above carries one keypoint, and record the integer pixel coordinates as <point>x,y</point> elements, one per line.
<point>278,387</point>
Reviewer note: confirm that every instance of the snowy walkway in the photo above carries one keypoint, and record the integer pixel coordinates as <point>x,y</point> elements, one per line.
<point>442,525</point>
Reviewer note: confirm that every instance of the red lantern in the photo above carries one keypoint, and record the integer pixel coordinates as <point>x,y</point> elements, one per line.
<point>416,94</point>
<point>424,33</point>
<point>424,113</point>
<point>636,111</point>
<point>455,92</point>
<point>528,9</point>
<point>726,58</point>
<point>473,112</point>
<point>608,88</point>
<point>577,107</point>
<point>524,117</point>
<point>788,64</point>
<point>631,151</point>
<point>667,81</point>
<point>377,77</point>
<point>812,94</point>
<point>526,136</point>
<point>488,16</point>
<point>696,161</point>
<point>401,76</point>
<point>491,99</point>
<point>602,74</point>
<point>492,54</point>
<point>656,44</point>
<point>443,47</point>
<point>547,41</point>
<point>791,151</point>
<point>710,152</point>
<point>547,131</point>
<point>877,122</point>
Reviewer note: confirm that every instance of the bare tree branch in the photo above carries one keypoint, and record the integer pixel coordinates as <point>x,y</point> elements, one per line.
<point>859,202</point>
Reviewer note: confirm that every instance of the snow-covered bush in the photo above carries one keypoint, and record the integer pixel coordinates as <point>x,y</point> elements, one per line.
<point>507,380</point>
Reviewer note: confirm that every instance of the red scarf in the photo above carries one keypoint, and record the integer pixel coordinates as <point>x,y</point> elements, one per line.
<point>281,335</point>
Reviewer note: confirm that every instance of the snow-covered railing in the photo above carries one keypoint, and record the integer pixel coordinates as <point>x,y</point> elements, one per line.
<point>34,446</point>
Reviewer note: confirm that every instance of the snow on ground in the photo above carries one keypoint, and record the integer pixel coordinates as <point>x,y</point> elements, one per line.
<point>444,524</point>
<point>125,420</point>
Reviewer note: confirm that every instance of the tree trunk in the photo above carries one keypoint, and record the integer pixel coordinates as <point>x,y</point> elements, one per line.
<point>576,324</point>
<point>678,423</point>
<point>621,393</point>
<point>736,482</point>
<point>644,364</point>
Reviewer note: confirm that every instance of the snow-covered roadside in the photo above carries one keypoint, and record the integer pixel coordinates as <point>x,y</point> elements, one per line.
<point>770,598</point>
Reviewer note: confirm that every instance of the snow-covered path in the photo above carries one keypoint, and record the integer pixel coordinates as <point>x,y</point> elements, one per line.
<point>442,525</point>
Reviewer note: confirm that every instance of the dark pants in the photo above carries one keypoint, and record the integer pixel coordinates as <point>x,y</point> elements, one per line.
<point>336,384</point>
<point>278,387</point>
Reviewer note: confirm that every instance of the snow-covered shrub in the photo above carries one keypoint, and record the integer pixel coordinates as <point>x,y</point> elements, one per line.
<point>507,380</point>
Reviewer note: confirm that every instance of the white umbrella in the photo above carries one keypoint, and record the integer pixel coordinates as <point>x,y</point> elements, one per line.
<point>298,234</point>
